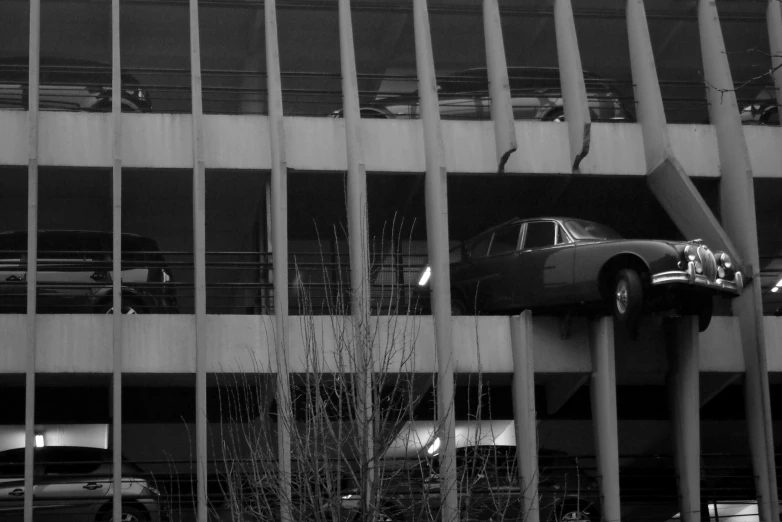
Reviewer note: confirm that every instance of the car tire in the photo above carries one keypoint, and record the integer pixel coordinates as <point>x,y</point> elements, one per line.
<point>457,306</point>
<point>627,297</point>
<point>130,513</point>
<point>129,307</point>
<point>574,511</point>
<point>705,311</point>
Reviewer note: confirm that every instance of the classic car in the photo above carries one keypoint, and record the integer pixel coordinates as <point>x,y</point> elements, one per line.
<point>68,84</point>
<point>555,263</point>
<point>74,483</point>
<point>75,273</point>
<point>536,94</point>
<point>763,110</point>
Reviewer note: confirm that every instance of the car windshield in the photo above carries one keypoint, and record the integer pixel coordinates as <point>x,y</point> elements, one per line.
<point>582,230</point>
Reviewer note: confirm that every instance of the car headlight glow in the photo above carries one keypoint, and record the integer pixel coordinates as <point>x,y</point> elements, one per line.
<point>425,276</point>
<point>726,262</point>
<point>721,272</point>
<point>698,267</point>
<point>691,253</point>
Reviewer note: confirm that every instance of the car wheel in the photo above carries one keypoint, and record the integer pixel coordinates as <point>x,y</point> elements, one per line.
<point>555,115</point>
<point>129,514</point>
<point>572,511</point>
<point>128,308</point>
<point>627,297</point>
<point>705,311</point>
<point>457,306</point>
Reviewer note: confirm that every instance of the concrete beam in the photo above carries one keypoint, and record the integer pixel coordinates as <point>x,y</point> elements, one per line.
<point>499,86</point>
<point>604,420</point>
<point>571,75</point>
<point>240,142</point>
<point>439,260</point>
<point>31,344</point>
<point>683,347</point>
<point>524,416</point>
<point>666,177</point>
<point>737,199</point>
<point>279,237</point>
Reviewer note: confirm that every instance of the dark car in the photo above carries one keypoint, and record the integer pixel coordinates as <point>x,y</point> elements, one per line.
<point>536,94</point>
<point>68,84</point>
<point>553,263</point>
<point>75,484</point>
<point>75,273</point>
<point>488,487</point>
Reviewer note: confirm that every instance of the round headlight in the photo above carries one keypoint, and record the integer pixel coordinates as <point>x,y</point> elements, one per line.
<point>691,253</point>
<point>725,260</point>
<point>698,267</point>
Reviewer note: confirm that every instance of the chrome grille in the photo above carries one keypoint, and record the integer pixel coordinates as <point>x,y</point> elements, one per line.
<point>708,262</point>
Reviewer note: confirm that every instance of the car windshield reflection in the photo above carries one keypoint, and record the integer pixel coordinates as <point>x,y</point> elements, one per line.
<point>583,230</point>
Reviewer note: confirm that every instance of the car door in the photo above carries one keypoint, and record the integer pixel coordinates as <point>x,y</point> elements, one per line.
<point>499,273</point>
<point>545,266</point>
<point>468,274</point>
<point>67,489</point>
<point>13,261</point>
<point>12,485</point>
<point>71,269</point>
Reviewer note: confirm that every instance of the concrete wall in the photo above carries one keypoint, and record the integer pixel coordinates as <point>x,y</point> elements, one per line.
<point>242,142</point>
<point>166,344</point>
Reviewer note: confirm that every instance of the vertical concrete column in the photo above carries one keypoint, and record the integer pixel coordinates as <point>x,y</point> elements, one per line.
<point>199,261</point>
<point>499,86</point>
<point>571,76</point>
<point>665,176</point>
<point>774,21</point>
<point>279,226</point>
<point>116,263</point>
<point>603,390</point>
<point>436,184</point>
<point>737,203</point>
<point>32,254</point>
<point>524,412</point>
<point>358,238</point>
<point>684,399</point>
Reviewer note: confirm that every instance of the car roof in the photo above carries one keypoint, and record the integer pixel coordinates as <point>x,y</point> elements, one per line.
<point>75,233</point>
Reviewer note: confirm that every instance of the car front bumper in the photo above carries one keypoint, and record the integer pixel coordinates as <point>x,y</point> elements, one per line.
<point>691,277</point>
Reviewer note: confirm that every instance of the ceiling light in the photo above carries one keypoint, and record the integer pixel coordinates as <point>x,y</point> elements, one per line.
<point>434,446</point>
<point>39,443</point>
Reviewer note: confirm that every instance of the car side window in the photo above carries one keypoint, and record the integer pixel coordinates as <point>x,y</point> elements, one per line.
<point>506,240</point>
<point>540,234</point>
<point>481,247</point>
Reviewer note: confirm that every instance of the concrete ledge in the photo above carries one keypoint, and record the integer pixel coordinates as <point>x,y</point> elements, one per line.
<point>318,144</point>
<point>166,344</point>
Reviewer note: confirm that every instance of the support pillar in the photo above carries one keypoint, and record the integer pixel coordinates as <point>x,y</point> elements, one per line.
<point>437,242</point>
<point>32,255</point>
<point>499,86</point>
<point>279,229</point>
<point>684,399</point>
<point>116,256</point>
<point>524,413</point>
<point>665,176</point>
<point>358,240</point>
<point>199,262</point>
<point>604,422</point>
<point>737,203</point>
<point>571,76</point>
<point>774,21</point>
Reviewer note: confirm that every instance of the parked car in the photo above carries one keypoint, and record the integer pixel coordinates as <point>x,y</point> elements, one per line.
<point>488,485</point>
<point>75,484</point>
<point>68,84</point>
<point>536,94</point>
<point>75,273</point>
<point>555,263</point>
